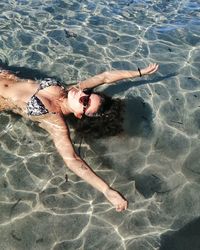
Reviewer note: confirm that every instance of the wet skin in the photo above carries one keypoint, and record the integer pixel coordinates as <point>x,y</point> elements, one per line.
<point>16,92</point>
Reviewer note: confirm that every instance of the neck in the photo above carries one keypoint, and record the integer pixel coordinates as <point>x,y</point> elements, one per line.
<point>63,103</point>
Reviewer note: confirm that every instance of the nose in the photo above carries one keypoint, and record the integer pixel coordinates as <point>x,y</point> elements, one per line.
<point>77,93</point>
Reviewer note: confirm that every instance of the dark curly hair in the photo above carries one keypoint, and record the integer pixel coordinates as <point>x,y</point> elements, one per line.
<point>108,121</point>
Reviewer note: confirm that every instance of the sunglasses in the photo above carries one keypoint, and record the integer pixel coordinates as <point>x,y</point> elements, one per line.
<point>85,100</point>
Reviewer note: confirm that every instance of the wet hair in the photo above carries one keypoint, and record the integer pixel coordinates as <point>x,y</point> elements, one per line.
<point>107,121</point>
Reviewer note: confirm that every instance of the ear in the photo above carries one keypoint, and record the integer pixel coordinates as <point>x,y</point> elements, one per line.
<point>78,115</point>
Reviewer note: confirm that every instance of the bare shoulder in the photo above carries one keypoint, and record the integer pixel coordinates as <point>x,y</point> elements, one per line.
<point>53,123</point>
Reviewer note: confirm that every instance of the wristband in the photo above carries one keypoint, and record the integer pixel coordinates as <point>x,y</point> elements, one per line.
<point>139,72</point>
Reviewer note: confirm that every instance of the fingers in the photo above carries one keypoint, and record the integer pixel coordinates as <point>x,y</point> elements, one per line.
<point>152,68</point>
<point>122,207</point>
<point>116,199</point>
<point>119,209</point>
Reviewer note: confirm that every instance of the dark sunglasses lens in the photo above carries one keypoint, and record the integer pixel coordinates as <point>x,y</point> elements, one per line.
<point>87,91</point>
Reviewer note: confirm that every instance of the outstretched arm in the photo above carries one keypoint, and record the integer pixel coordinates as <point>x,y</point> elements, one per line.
<point>116,75</point>
<point>60,135</point>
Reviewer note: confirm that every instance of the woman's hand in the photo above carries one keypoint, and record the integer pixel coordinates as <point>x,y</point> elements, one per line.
<point>150,69</point>
<point>116,199</point>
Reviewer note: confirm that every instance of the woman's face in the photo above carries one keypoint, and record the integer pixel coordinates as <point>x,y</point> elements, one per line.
<point>81,103</point>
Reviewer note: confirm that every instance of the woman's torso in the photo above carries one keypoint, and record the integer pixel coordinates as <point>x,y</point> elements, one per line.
<point>16,95</point>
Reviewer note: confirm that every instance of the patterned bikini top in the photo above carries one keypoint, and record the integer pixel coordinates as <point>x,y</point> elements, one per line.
<point>34,105</point>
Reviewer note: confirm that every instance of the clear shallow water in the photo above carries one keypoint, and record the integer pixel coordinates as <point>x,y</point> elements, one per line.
<point>155,165</point>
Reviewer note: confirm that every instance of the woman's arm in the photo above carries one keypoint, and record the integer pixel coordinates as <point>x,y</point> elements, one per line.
<point>113,76</point>
<point>60,135</point>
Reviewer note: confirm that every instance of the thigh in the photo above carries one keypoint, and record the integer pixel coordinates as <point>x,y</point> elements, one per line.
<point>4,104</point>
<point>7,75</point>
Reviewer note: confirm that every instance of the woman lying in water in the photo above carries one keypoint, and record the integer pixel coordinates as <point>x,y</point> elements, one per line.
<point>48,103</point>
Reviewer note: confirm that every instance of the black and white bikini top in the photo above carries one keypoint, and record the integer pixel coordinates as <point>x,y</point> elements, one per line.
<point>34,105</point>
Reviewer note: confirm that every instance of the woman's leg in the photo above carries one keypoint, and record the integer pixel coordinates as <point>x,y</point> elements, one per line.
<point>6,74</point>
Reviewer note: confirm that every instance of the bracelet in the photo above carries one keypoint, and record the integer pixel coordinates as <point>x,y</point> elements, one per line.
<point>139,72</point>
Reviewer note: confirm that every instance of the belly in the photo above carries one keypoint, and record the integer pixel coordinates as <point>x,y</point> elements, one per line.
<point>14,95</point>
<point>17,91</point>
